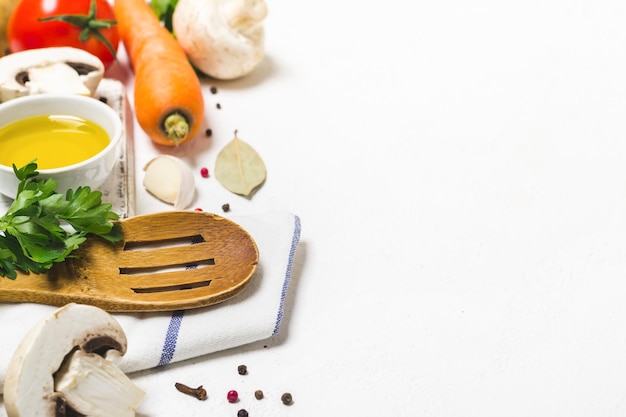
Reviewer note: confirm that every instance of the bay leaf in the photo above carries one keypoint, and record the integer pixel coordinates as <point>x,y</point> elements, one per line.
<point>239,168</point>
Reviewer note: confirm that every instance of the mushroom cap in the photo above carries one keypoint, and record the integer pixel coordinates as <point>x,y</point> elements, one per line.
<point>222,38</point>
<point>29,385</point>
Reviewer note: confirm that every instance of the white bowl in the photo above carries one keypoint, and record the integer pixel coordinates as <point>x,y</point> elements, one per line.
<point>91,172</point>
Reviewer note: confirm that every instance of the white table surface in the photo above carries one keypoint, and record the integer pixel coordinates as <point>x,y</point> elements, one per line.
<point>459,169</point>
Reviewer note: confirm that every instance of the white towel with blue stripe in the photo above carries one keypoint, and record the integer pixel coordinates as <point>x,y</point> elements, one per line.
<point>157,339</point>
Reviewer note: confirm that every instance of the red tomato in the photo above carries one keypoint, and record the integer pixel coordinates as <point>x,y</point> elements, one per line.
<point>27,31</point>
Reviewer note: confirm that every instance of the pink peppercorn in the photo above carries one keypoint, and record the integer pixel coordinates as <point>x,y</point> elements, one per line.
<point>232,396</point>
<point>204,172</point>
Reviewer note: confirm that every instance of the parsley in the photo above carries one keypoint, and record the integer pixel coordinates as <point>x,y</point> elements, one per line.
<point>43,227</point>
<point>164,10</point>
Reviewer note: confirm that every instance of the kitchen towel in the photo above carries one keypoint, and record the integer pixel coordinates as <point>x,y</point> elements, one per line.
<point>157,339</point>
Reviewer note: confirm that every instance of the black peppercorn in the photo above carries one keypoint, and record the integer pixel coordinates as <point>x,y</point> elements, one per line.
<point>258,394</point>
<point>208,133</point>
<point>286,398</point>
<point>213,90</point>
<point>225,207</point>
<point>242,413</point>
<point>242,369</point>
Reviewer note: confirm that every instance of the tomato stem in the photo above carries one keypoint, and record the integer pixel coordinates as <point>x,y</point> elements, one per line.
<point>89,24</point>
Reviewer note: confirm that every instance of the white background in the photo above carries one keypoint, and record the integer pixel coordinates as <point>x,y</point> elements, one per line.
<point>459,168</point>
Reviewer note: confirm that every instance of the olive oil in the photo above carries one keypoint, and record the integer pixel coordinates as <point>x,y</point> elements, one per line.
<point>54,141</point>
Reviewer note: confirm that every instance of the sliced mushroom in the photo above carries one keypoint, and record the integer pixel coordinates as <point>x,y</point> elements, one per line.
<point>96,387</point>
<point>61,361</point>
<point>49,70</point>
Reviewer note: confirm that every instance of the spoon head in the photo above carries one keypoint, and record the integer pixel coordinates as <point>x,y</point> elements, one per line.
<point>166,261</point>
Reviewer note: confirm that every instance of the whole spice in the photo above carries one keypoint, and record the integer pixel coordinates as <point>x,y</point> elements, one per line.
<point>258,394</point>
<point>242,413</point>
<point>242,369</point>
<point>239,168</point>
<point>199,393</point>
<point>225,207</point>
<point>286,398</point>
<point>232,396</point>
<point>204,172</point>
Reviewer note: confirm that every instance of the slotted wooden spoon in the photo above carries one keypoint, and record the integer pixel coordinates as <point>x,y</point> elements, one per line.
<point>166,261</point>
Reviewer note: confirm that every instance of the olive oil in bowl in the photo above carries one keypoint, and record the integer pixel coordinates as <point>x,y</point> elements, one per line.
<point>78,135</point>
<point>54,141</point>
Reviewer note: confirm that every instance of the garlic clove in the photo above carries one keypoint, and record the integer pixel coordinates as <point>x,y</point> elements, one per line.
<point>171,180</point>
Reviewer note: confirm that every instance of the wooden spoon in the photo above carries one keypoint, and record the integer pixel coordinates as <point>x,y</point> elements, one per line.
<point>166,261</point>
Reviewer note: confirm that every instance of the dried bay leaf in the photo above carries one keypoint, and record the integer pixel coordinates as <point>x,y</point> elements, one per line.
<point>239,168</point>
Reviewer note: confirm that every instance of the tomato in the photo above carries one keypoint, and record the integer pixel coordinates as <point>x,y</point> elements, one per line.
<point>65,23</point>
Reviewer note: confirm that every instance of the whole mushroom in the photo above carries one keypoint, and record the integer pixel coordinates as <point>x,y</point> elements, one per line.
<point>222,38</point>
<point>67,364</point>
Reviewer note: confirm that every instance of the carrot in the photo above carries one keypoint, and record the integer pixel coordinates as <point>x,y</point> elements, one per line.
<point>169,105</point>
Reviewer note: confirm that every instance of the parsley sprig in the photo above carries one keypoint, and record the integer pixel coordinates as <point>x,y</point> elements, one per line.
<point>164,10</point>
<point>43,227</point>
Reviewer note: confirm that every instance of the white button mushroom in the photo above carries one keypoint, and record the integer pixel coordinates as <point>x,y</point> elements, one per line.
<point>222,38</point>
<point>68,360</point>
<point>49,70</point>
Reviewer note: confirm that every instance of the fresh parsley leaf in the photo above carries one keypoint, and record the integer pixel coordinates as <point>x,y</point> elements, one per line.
<point>164,10</point>
<point>43,227</point>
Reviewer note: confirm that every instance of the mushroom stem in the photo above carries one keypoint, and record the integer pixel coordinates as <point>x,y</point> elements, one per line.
<point>95,387</point>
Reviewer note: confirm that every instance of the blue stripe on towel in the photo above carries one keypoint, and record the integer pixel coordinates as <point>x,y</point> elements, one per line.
<point>292,252</point>
<point>171,337</point>
<point>169,346</point>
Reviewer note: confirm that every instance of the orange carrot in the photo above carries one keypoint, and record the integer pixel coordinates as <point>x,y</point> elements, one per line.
<point>169,105</point>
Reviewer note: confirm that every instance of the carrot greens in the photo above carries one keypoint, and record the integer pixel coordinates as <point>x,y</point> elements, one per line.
<point>42,227</point>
